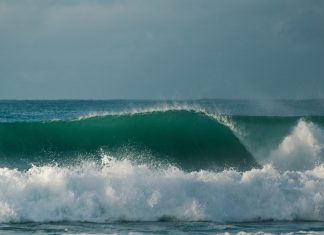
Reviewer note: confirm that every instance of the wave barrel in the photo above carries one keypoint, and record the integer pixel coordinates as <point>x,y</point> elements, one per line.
<point>191,140</point>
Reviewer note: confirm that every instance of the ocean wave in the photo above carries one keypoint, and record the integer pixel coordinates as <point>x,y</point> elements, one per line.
<point>120,190</point>
<point>189,139</point>
<point>163,107</point>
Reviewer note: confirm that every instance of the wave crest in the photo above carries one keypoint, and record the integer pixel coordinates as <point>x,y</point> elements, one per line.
<point>302,149</point>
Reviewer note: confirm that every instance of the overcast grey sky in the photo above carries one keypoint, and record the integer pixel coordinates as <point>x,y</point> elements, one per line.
<point>161,49</point>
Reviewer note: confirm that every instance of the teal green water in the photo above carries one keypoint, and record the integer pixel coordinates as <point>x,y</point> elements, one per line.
<point>162,167</point>
<point>189,139</point>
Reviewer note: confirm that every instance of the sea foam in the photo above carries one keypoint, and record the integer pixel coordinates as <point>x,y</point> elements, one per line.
<point>119,190</point>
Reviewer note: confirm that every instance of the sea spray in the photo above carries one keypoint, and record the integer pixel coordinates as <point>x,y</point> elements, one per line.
<point>118,190</point>
<point>300,150</point>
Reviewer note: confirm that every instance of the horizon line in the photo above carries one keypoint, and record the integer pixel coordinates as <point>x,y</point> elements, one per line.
<point>169,99</point>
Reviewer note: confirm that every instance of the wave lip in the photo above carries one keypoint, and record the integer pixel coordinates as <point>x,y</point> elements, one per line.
<point>189,139</point>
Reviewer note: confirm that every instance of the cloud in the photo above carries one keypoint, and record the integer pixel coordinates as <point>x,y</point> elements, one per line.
<point>304,23</point>
<point>152,49</point>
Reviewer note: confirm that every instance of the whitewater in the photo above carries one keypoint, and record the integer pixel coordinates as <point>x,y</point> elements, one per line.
<point>117,190</point>
<point>150,167</point>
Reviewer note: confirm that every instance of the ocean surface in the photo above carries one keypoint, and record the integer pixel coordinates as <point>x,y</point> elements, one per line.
<point>162,167</point>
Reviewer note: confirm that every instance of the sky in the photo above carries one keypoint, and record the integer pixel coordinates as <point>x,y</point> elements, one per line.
<point>161,49</point>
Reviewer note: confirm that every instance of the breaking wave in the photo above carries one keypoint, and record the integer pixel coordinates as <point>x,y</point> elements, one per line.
<point>191,140</point>
<point>182,165</point>
<point>119,190</point>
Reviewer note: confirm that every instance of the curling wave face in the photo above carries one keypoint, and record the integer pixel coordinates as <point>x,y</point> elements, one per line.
<point>191,140</point>
<point>170,164</point>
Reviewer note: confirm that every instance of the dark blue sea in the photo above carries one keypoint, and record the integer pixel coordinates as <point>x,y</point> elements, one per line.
<point>207,166</point>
